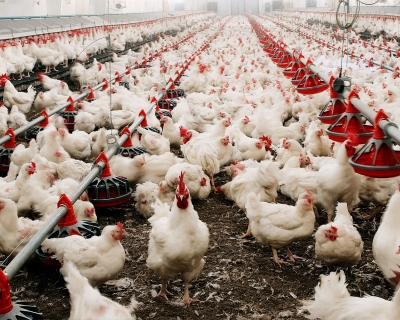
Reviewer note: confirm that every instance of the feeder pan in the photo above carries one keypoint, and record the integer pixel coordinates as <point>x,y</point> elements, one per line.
<point>69,115</point>
<point>32,132</point>
<point>167,104</point>
<point>350,121</point>
<point>68,226</point>
<point>18,310</point>
<point>108,190</point>
<point>293,66</point>
<point>377,158</point>
<point>269,47</point>
<point>6,151</point>
<point>127,149</point>
<point>334,107</point>
<point>300,73</point>
<point>311,84</point>
<point>284,61</point>
<point>175,93</point>
<point>124,84</point>
<point>90,98</point>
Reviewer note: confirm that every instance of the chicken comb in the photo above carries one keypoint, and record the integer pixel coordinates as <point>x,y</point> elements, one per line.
<point>40,76</point>
<point>33,164</point>
<point>182,131</point>
<point>181,185</point>
<point>120,226</point>
<point>334,229</point>
<point>3,79</point>
<point>265,139</point>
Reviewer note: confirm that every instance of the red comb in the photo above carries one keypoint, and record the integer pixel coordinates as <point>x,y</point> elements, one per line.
<point>33,164</point>
<point>120,226</point>
<point>334,228</point>
<point>3,79</point>
<point>182,131</point>
<point>181,185</point>
<point>265,139</point>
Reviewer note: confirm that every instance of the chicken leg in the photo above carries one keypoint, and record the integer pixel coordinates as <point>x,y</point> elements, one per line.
<point>276,258</point>
<point>186,298</point>
<point>164,292</point>
<point>292,256</point>
<point>248,233</point>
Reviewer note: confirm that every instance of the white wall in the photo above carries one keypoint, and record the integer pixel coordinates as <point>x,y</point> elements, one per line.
<point>12,8</point>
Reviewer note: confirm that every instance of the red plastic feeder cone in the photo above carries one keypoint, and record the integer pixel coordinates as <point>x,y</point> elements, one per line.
<point>69,115</point>
<point>334,107</point>
<point>104,87</point>
<point>293,66</point>
<point>377,158</point>
<point>350,121</point>
<point>285,60</point>
<point>300,73</point>
<point>311,84</point>
<point>278,54</point>
<point>108,190</point>
<point>90,96</point>
<point>32,132</point>
<point>127,149</point>
<point>68,226</point>
<point>14,310</point>
<point>6,151</point>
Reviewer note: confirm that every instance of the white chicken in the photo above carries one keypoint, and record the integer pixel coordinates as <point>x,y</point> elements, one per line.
<point>23,100</point>
<point>178,241</point>
<point>153,142</point>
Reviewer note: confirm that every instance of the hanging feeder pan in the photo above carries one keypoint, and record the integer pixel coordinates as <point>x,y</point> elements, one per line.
<point>167,104</point>
<point>6,151</point>
<point>274,51</point>
<point>67,226</point>
<point>377,158</point>
<point>127,149</point>
<point>166,113</point>
<point>269,47</point>
<point>284,61</point>
<point>108,190</point>
<point>334,107</point>
<point>350,121</point>
<point>299,75</point>
<point>293,66</point>
<point>311,84</point>
<point>69,115</point>
<point>18,310</point>
<point>278,55</point>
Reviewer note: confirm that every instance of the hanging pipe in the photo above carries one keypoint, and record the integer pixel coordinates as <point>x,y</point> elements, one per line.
<point>389,128</point>
<point>384,66</point>
<point>21,258</point>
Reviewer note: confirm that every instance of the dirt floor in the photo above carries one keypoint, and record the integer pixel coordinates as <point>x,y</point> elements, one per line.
<point>239,280</point>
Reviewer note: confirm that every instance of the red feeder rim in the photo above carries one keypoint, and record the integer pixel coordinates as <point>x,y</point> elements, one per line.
<point>106,170</point>
<point>128,142</point>
<point>10,144</point>
<point>377,158</point>
<point>311,84</point>
<point>350,121</point>
<point>284,61</point>
<point>69,219</point>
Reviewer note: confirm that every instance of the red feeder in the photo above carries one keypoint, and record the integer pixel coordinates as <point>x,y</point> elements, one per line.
<point>285,60</point>
<point>68,226</point>
<point>311,84</point>
<point>300,73</point>
<point>14,310</point>
<point>293,66</point>
<point>278,53</point>
<point>127,149</point>
<point>334,107</point>
<point>377,158</point>
<point>350,121</point>
<point>104,87</point>
<point>108,190</point>
<point>69,115</point>
<point>270,46</point>
<point>32,132</point>
<point>6,151</point>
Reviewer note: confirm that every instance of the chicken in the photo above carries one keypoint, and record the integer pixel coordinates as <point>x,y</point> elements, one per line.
<point>16,119</point>
<point>50,146</point>
<point>53,84</point>
<point>72,168</point>
<point>195,179</point>
<point>23,155</point>
<point>290,148</point>
<point>49,58</point>
<point>202,151</point>
<point>338,181</point>
<point>178,241</point>
<point>77,143</point>
<point>278,225</point>
<point>339,243</point>
<point>99,258</point>
<point>15,232</point>
<point>132,169</point>
<point>333,302</point>
<point>88,303</point>
<point>250,148</point>
<point>153,142</point>
<point>84,121</point>
<point>386,243</point>
<point>23,100</point>
<point>171,132</point>
<point>317,143</point>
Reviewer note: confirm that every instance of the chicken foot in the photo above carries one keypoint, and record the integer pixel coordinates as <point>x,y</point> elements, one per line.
<point>374,213</point>
<point>292,256</point>
<point>276,258</point>
<point>248,233</point>
<point>212,183</point>
<point>164,292</point>
<point>186,298</point>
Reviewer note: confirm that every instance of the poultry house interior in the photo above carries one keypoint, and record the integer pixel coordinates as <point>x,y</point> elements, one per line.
<point>186,160</point>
